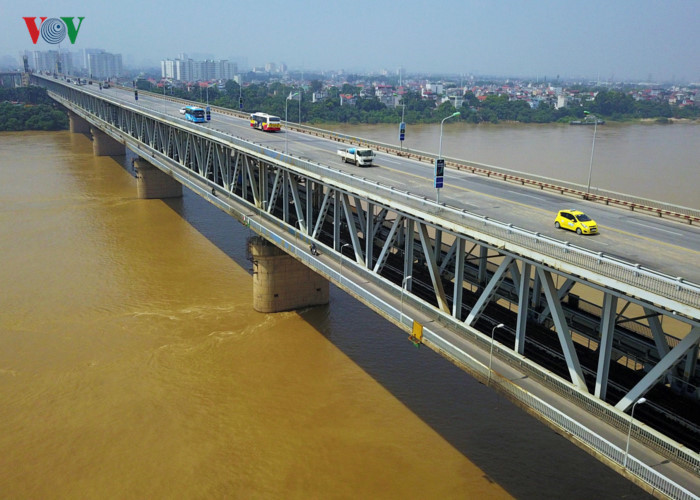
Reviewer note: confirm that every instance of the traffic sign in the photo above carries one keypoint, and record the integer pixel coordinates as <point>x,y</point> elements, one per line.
<point>439,172</point>
<point>439,167</point>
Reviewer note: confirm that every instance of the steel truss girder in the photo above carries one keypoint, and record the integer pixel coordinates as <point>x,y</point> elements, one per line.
<point>258,180</point>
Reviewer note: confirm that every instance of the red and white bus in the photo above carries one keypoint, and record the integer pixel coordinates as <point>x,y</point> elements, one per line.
<point>263,121</point>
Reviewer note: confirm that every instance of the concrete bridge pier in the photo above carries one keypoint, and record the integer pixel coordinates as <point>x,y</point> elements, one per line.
<point>152,182</point>
<point>77,124</point>
<point>282,283</point>
<point>104,145</point>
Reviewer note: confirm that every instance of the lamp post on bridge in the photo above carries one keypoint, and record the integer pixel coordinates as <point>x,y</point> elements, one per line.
<point>493,331</point>
<point>629,433</point>
<point>439,162</point>
<point>286,123</point>
<point>590,167</point>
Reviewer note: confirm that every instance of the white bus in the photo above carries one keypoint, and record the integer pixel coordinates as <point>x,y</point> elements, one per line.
<point>263,121</point>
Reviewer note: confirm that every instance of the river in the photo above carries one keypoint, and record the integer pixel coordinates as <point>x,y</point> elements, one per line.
<point>132,365</point>
<point>649,160</point>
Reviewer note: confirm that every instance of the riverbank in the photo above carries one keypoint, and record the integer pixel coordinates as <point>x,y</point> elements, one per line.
<point>17,117</point>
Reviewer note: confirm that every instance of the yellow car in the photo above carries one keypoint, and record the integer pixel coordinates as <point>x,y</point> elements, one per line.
<point>574,220</point>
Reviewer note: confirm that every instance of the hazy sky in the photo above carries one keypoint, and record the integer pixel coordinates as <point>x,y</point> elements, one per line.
<point>620,39</point>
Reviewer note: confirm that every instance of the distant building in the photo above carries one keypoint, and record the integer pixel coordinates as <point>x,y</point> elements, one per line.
<point>434,88</point>
<point>51,61</point>
<point>188,70</point>
<point>319,96</point>
<point>104,65</point>
<point>456,101</point>
<point>86,55</point>
<point>348,100</point>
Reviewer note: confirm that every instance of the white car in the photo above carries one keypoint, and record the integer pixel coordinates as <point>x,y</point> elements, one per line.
<point>182,111</point>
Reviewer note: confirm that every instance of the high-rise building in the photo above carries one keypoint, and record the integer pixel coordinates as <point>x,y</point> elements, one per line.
<point>86,55</point>
<point>187,70</point>
<point>104,65</point>
<point>52,61</point>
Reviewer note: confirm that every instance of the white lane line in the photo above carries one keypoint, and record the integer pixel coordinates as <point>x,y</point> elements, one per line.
<point>654,228</point>
<point>387,179</point>
<point>523,194</point>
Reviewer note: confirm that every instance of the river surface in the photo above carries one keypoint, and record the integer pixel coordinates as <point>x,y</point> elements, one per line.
<point>132,365</point>
<point>657,162</point>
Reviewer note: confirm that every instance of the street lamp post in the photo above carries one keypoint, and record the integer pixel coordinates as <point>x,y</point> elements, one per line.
<point>590,167</point>
<point>403,287</point>
<point>629,433</point>
<point>340,281</point>
<point>440,150</point>
<point>402,126</point>
<point>286,123</point>
<point>493,331</point>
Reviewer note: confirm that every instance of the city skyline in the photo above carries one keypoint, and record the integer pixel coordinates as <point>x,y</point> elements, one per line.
<point>623,40</point>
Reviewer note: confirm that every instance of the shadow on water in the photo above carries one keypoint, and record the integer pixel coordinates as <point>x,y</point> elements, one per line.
<point>512,448</point>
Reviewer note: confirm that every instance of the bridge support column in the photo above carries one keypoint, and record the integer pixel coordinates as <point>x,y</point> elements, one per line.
<point>77,124</point>
<point>282,283</point>
<point>154,183</point>
<point>104,145</point>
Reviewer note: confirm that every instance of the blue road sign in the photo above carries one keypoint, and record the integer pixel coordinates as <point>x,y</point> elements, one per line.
<point>439,172</point>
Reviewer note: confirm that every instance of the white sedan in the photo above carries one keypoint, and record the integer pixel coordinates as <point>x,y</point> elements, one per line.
<point>182,111</point>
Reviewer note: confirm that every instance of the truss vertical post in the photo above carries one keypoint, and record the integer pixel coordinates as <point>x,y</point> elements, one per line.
<point>607,331</point>
<point>523,306</point>
<point>458,279</point>
<point>483,265</point>
<point>336,221</point>
<point>409,240</point>
<point>369,238</point>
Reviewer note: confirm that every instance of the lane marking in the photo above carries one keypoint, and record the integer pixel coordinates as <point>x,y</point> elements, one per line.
<point>654,228</point>
<point>538,198</point>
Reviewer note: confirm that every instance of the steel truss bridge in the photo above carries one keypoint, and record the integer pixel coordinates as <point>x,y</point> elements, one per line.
<point>628,332</point>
